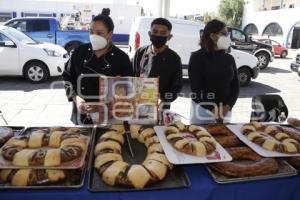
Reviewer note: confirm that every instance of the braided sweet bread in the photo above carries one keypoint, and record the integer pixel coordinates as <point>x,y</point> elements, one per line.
<point>259,165</point>
<point>223,136</point>
<point>270,138</point>
<point>31,177</point>
<point>115,171</point>
<point>194,140</point>
<point>66,145</point>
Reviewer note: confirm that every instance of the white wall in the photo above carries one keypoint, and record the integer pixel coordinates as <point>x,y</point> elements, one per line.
<point>286,18</point>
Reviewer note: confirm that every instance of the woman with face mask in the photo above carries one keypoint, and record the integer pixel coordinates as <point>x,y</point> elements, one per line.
<point>88,62</point>
<point>213,76</point>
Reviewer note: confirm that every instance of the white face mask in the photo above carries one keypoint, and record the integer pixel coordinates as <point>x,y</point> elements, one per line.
<point>98,42</point>
<point>224,42</point>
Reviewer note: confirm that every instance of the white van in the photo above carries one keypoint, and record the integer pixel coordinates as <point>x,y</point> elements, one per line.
<point>22,56</point>
<point>185,40</point>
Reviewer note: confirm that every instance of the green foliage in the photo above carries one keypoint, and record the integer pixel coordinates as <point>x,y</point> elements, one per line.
<point>231,12</point>
<point>208,17</point>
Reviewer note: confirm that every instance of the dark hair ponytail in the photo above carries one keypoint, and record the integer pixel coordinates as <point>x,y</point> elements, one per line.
<point>105,11</point>
<point>104,17</point>
<point>214,26</point>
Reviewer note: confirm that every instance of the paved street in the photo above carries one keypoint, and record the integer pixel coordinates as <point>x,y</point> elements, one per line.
<point>23,103</point>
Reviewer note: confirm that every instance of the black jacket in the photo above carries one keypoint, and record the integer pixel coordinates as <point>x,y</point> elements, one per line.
<point>166,66</point>
<point>83,62</point>
<point>213,78</point>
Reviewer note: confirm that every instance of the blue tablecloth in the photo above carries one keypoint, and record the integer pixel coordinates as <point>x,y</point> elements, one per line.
<point>202,187</point>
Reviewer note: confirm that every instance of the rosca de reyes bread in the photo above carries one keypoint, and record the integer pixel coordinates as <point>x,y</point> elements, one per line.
<point>193,140</point>
<point>46,147</point>
<point>115,171</point>
<point>271,138</point>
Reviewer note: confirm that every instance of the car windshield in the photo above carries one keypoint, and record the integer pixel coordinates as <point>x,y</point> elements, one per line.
<point>19,36</point>
<point>275,42</point>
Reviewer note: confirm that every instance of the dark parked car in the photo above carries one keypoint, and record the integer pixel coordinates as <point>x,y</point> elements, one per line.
<point>243,42</point>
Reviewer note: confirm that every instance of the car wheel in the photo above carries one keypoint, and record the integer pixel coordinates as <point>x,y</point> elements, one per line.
<point>283,54</point>
<point>36,72</point>
<point>244,75</point>
<point>263,59</point>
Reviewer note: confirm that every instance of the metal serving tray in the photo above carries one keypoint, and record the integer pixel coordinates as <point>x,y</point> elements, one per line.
<point>16,130</point>
<point>285,170</point>
<point>75,181</point>
<point>177,178</point>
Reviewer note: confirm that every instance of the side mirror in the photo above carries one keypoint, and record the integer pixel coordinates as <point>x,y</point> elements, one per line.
<point>9,44</point>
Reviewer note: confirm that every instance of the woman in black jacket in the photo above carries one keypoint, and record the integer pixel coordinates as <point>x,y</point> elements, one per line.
<point>89,62</point>
<point>213,76</point>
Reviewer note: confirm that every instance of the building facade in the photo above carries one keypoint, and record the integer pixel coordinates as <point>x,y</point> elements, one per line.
<point>275,19</point>
<point>122,14</point>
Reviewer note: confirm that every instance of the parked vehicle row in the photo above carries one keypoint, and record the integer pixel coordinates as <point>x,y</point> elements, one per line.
<point>37,67</point>
<point>47,29</point>
<point>185,40</point>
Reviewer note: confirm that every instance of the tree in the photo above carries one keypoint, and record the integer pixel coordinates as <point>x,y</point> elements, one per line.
<point>231,12</point>
<point>208,17</point>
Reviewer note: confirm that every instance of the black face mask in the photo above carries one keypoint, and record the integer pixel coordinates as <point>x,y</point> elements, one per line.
<point>158,41</point>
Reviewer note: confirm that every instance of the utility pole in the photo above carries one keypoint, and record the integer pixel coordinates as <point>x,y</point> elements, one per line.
<point>164,8</point>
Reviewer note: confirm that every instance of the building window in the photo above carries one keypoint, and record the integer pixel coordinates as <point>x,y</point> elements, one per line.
<point>30,14</point>
<point>275,8</point>
<point>251,29</point>
<point>45,15</point>
<point>38,25</point>
<point>273,29</point>
<point>18,24</point>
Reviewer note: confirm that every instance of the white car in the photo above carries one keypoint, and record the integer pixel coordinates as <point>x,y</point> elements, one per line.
<point>185,40</point>
<point>22,56</point>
